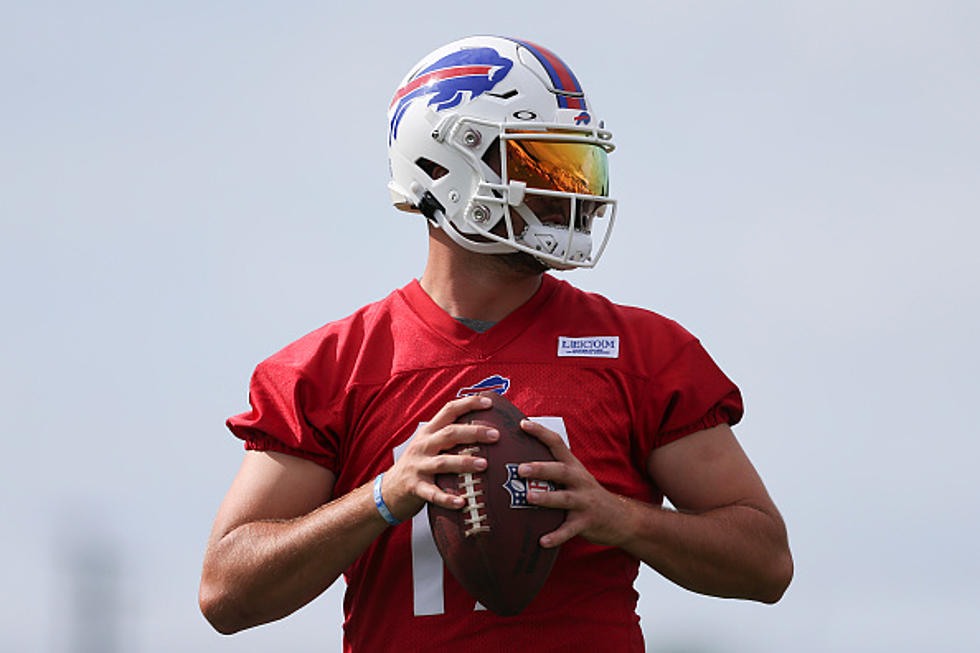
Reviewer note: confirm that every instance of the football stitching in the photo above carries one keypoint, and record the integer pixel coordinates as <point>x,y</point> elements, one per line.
<point>476,517</point>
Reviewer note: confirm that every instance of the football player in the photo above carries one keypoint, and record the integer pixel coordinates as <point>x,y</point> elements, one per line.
<point>496,147</point>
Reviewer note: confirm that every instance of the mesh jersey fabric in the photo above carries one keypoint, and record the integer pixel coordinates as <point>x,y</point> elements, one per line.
<point>351,394</point>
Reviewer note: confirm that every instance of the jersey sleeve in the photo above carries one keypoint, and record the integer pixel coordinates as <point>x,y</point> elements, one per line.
<point>286,417</point>
<point>691,394</point>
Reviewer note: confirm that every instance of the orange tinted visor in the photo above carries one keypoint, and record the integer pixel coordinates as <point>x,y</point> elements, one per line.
<point>581,168</point>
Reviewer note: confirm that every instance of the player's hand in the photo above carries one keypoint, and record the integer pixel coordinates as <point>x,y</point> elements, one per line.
<point>594,512</point>
<point>410,482</point>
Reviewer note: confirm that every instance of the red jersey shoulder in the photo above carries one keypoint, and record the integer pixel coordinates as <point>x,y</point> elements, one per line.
<point>644,338</point>
<point>335,349</point>
<point>299,395</point>
<point>600,308</point>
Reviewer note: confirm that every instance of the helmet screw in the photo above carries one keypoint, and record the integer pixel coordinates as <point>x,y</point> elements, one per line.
<point>471,138</point>
<point>481,214</point>
<point>454,195</point>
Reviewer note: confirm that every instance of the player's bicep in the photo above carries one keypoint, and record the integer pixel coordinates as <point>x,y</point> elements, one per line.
<point>272,485</point>
<point>707,470</point>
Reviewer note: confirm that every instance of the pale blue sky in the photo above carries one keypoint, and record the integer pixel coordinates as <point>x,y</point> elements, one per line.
<point>186,187</point>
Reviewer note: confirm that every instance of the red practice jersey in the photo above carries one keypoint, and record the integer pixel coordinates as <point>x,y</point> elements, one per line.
<point>615,381</point>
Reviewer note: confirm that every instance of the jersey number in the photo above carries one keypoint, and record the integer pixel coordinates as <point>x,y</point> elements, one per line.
<point>427,565</point>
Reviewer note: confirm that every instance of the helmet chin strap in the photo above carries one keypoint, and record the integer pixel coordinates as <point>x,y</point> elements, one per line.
<point>558,246</point>
<point>490,247</point>
<point>558,241</point>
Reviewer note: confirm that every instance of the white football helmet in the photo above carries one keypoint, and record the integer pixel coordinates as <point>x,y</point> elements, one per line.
<point>487,127</point>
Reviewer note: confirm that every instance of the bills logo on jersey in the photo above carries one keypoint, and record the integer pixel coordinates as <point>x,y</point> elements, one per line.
<point>458,76</point>
<point>518,487</point>
<point>495,383</point>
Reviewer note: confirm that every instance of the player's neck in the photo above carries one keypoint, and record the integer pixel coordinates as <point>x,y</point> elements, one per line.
<point>475,286</point>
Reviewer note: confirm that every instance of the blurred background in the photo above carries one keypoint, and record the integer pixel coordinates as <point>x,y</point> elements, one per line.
<point>186,187</point>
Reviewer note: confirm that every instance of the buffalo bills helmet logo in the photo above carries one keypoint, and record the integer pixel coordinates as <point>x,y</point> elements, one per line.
<point>459,76</point>
<point>495,383</point>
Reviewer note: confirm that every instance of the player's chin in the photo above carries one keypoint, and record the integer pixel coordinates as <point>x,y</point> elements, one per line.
<point>523,262</point>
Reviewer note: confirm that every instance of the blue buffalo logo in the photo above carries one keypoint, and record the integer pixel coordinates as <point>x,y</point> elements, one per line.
<point>459,76</point>
<point>495,383</point>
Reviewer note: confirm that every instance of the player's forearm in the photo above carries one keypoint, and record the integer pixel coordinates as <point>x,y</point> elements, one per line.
<point>737,551</point>
<point>264,570</point>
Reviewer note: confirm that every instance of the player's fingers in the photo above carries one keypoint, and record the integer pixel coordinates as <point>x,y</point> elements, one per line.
<point>457,407</point>
<point>549,438</point>
<point>454,434</point>
<point>431,493</point>
<point>432,443</point>
<point>547,471</point>
<point>453,464</point>
<point>559,499</point>
<point>569,529</point>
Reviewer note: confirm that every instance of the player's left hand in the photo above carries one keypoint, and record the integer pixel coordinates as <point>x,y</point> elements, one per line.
<point>594,512</point>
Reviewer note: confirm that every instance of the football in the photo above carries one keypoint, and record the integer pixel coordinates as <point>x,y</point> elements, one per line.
<point>491,545</point>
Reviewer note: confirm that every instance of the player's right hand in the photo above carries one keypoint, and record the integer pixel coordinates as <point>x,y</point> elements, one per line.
<point>410,482</point>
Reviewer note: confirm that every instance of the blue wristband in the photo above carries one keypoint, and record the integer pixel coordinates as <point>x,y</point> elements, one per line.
<point>380,503</point>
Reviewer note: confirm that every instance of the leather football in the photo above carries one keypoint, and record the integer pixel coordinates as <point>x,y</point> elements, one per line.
<point>491,545</point>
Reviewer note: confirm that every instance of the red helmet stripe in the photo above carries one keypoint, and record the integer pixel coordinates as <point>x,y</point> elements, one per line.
<point>456,71</point>
<point>561,75</point>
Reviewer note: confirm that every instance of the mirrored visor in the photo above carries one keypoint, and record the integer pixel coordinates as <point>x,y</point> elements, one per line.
<point>555,165</point>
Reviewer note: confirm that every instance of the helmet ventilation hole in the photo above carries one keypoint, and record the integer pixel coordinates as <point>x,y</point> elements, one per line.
<point>431,168</point>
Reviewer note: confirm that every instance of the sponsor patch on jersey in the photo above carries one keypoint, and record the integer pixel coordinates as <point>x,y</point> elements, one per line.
<point>495,383</point>
<point>518,487</point>
<point>589,346</point>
